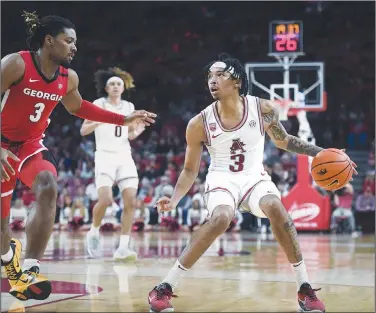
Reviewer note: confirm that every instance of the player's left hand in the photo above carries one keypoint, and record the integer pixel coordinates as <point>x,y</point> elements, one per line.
<point>6,168</point>
<point>354,166</point>
<point>164,204</point>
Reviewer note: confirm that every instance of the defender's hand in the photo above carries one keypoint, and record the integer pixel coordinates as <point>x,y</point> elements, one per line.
<point>5,154</point>
<point>140,116</point>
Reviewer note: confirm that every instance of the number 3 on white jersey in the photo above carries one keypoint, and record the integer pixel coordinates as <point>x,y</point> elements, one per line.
<point>39,107</point>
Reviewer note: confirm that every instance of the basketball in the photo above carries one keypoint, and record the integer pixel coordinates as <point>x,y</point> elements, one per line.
<point>331,169</point>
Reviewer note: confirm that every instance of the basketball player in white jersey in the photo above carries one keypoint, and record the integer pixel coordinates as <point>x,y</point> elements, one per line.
<point>113,160</point>
<point>233,130</point>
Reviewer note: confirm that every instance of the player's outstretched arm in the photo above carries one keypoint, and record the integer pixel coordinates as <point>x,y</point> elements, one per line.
<point>276,131</point>
<point>195,136</point>
<point>75,105</point>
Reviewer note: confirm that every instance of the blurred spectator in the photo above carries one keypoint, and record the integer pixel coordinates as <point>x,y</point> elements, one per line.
<point>343,200</point>
<point>164,188</point>
<point>112,218</point>
<point>141,217</point>
<point>18,215</point>
<point>366,201</point>
<point>196,215</point>
<point>369,182</point>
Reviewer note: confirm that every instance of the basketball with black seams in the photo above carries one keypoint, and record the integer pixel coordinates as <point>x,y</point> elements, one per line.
<point>331,169</point>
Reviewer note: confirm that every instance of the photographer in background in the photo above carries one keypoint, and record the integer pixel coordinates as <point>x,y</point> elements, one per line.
<point>343,202</point>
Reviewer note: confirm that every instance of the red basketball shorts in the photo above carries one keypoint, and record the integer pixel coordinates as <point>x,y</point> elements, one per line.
<point>34,158</point>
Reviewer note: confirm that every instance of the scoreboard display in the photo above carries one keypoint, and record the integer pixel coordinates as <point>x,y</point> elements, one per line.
<point>285,37</point>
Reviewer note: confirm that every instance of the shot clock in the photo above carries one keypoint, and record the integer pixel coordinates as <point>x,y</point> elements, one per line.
<point>285,37</point>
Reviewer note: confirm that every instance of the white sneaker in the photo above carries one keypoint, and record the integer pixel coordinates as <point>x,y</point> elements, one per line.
<point>93,244</point>
<point>126,254</point>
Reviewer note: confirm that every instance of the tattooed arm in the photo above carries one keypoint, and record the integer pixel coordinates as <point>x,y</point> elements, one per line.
<point>276,131</point>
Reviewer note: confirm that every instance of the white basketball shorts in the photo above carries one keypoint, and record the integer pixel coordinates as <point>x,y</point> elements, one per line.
<point>239,191</point>
<point>116,168</point>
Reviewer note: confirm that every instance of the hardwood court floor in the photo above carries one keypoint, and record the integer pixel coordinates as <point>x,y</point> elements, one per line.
<point>252,275</point>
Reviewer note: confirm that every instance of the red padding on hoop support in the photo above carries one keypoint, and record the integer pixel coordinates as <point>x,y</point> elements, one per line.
<point>307,207</point>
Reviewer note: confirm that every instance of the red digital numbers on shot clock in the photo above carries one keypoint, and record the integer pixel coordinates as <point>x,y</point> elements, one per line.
<point>286,37</point>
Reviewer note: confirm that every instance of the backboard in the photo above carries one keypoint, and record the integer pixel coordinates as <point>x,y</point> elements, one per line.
<point>302,82</point>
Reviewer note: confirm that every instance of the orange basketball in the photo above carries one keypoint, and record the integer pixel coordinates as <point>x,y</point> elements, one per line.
<point>331,169</point>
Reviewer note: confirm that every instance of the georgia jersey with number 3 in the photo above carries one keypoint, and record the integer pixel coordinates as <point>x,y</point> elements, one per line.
<point>113,138</point>
<point>239,150</point>
<point>27,105</point>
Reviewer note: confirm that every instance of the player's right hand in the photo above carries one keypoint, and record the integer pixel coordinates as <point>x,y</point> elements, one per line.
<point>140,116</point>
<point>164,204</point>
<point>5,154</point>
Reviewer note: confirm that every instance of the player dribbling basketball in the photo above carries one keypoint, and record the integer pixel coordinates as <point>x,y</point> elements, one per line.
<point>233,130</point>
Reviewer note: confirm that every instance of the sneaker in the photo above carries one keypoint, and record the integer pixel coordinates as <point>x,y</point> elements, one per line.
<point>31,285</point>
<point>308,302</point>
<point>159,298</point>
<point>93,244</point>
<point>122,254</point>
<point>13,268</point>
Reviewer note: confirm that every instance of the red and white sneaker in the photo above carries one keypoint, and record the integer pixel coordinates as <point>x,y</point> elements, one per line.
<point>308,302</point>
<point>159,298</point>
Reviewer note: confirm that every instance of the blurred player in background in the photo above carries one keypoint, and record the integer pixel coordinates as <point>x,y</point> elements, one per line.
<point>113,159</point>
<point>233,130</point>
<point>32,84</point>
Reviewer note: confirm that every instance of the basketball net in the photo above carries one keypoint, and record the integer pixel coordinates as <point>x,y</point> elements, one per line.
<point>287,109</point>
<point>285,106</point>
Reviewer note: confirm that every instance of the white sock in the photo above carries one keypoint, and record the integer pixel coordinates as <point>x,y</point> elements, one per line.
<point>7,256</point>
<point>300,271</point>
<point>29,263</point>
<point>94,230</point>
<point>176,272</point>
<point>124,241</point>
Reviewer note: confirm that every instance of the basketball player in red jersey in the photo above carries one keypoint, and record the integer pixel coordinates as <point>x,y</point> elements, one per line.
<point>33,83</point>
<point>233,130</point>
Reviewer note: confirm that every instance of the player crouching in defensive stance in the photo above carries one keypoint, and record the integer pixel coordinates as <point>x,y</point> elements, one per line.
<point>233,130</point>
<point>32,83</point>
<point>113,159</point>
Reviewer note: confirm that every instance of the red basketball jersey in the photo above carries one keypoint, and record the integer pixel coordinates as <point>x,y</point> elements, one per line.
<point>27,106</point>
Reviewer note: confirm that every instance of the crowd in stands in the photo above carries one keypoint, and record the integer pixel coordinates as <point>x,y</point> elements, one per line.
<point>165,46</point>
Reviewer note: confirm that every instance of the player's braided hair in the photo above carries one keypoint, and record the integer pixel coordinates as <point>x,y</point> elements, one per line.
<point>239,71</point>
<point>37,29</point>
<point>101,77</point>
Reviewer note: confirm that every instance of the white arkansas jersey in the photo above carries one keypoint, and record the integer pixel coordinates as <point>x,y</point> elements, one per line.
<point>239,150</point>
<point>109,137</point>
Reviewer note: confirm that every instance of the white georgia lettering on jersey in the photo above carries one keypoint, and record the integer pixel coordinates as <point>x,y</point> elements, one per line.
<point>240,149</point>
<point>109,137</point>
<point>42,95</point>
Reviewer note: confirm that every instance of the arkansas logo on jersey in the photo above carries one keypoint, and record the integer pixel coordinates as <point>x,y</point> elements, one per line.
<point>237,146</point>
<point>212,126</point>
